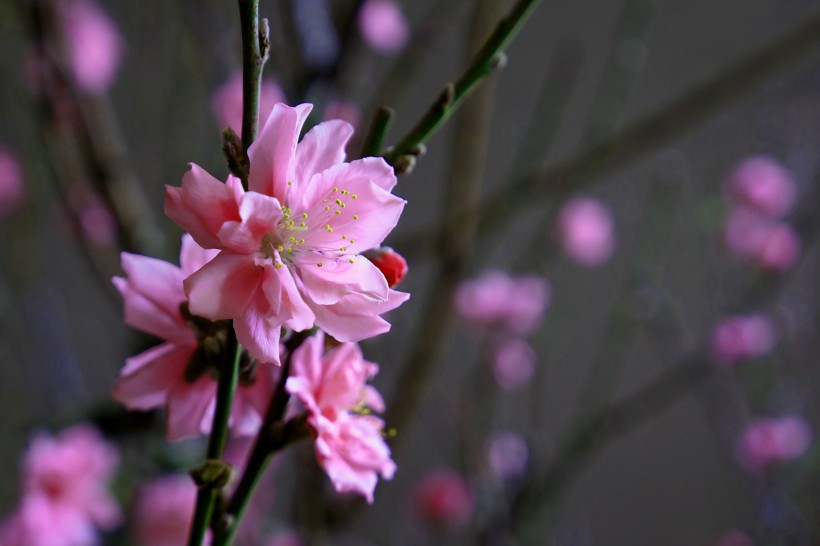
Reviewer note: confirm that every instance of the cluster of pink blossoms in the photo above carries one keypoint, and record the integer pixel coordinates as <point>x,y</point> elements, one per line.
<point>65,491</point>
<point>771,440</point>
<point>510,308</point>
<point>761,193</point>
<point>737,337</point>
<point>332,386</point>
<point>283,255</point>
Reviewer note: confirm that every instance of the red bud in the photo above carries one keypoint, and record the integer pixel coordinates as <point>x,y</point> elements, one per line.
<point>389,262</point>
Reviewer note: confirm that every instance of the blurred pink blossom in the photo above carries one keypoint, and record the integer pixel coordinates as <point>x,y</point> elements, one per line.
<point>497,300</point>
<point>444,499</point>
<point>383,25</point>
<point>163,510</point>
<point>226,103</point>
<point>586,231</point>
<point>743,336</point>
<point>508,455</point>
<point>350,447</point>
<point>95,46</point>
<point>344,110</point>
<point>734,538</point>
<point>761,184</point>
<point>98,224</point>
<point>780,250</point>
<point>772,246</point>
<point>153,295</point>
<point>12,187</point>
<point>514,363</point>
<point>65,491</point>
<point>769,440</point>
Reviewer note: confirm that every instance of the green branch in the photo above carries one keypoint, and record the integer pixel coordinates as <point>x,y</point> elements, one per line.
<point>489,57</point>
<point>211,476</point>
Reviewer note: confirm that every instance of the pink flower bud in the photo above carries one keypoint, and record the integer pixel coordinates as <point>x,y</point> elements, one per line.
<point>12,189</point>
<point>497,300</point>
<point>780,250</point>
<point>383,25</point>
<point>508,455</point>
<point>763,185</point>
<point>734,538</point>
<point>743,336</point>
<point>390,263</point>
<point>226,103</point>
<point>94,44</point>
<point>767,441</point>
<point>514,364</point>
<point>586,232</point>
<point>444,499</point>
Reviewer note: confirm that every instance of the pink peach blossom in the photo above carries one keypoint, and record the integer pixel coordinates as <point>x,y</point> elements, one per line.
<point>65,491</point>
<point>12,188</point>
<point>772,246</point>
<point>508,455</point>
<point>290,246</point>
<point>586,231</point>
<point>734,538</point>
<point>444,499</point>
<point>743,336</point>
<point>761,184</point>
<point>153,295</point>
<point>350,447</point>
<point>95,46</point>
<point>98,224</point>
<point>383,25</point>
<point>769,440</point>
<point>163,510</point>
<point>514,363</point>
<point>497,300</point>
<point>226,103</point>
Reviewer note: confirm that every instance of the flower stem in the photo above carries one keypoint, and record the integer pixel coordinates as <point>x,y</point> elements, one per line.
<point>255,46</point>
<point>274,434</point>
<point>382,120</point>
<point>208,493</point>
<point>485,61</point>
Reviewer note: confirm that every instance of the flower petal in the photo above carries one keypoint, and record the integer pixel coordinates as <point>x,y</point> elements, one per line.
<point>224,287</point>
<point>147,377</point>
<point>201,205</point>
<point>335,279</point>
<point>272,154</point>
<point>355,317</point>
<point>257,334</point>
<point>321,148</point>
<point>192,256</point>
<point>187,406</point>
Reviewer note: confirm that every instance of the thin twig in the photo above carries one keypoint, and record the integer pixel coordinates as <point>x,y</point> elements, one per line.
<point>484,62</point>
<point>641,137</point>
<point>255,45</point>
<point>378,131</point>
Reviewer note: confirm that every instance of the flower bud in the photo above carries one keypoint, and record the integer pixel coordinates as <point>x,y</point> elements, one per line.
<point>390,263</point>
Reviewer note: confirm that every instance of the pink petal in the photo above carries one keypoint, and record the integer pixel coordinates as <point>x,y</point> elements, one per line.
<point>258,335</point>
<point>288,306</point>
<point>224,287</point>
<point>335,279</point>
<point>201,206</point>
<point>260,215</point>
<point>187,404</point>
<point>192,256</point>
<point>157,280</point>
<point>355,317</point>
<point>366,211</point>
<point>272,154</point>
<point>147,377</point>
<point>321,148</point>
<point>146,315</point>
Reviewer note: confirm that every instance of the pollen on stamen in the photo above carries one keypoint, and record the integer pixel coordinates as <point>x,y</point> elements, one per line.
<point>351,260</point>
<point>302,224</point>
<point>354,196</point>
<point>355,216</point>
<point>339,202</point>
<point>344,236</point>
<point>305,215</point>
<point>280,248</point>
<point>338,212</point>
<point>290,183</point>
<point>327,207</point>
<point>335,189</point>
<point>345,192</point>
<point>319,264</point>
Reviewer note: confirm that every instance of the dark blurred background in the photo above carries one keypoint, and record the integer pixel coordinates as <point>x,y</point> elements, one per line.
<point>664,470</point>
